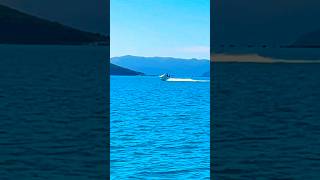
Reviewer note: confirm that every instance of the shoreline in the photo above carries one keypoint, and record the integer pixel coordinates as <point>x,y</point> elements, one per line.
<point>255,58</point>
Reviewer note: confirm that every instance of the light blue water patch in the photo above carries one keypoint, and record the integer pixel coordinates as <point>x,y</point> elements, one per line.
<point>159,130</point>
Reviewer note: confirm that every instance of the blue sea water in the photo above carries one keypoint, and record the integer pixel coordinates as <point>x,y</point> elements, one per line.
<point>266,121</point>
<point>53,112</point>
<point>53,118</point>
<point>159,130</point>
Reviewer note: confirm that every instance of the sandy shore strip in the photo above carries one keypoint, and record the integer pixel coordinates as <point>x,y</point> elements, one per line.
<point>255,58</point>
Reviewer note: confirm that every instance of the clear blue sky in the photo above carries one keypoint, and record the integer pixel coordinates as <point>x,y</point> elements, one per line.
<point>165,28</point>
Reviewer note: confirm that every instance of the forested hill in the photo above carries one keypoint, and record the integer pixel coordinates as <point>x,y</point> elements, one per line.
<point>20,28</point>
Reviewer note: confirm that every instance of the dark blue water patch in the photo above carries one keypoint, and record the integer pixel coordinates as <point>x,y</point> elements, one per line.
<point>53,111</point>
<point>266,121</point>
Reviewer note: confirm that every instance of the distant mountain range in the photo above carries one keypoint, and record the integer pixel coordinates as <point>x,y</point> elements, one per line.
<point>309,40</point>
<point>120,71</point>
<point>20,28</point>
<point>160,65</point>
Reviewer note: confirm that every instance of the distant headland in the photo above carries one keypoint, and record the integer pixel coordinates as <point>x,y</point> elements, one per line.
<point>307,40</point>
<point>20,28</point>
<point>121,71</point>
<point>302,50</point>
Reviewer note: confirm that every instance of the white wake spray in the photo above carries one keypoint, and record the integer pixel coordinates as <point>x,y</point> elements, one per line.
<point>185,80</point>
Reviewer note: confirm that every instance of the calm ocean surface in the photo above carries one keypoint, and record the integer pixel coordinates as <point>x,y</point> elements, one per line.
<point>53,112</point>
<point>266,121</point>
<point>159,130</point>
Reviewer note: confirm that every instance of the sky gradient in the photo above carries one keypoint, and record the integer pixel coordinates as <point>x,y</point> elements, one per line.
<point>166,28</point>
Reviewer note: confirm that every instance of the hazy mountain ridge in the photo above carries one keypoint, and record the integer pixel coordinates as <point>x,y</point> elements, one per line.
<point>20,28</point>
<point>311,40</point>
<point>160,65</point>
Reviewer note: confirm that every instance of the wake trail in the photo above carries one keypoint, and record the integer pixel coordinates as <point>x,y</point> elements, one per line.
<point>185,80</point>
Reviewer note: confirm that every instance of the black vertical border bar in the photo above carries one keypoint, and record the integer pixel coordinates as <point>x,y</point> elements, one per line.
<point>211,90</point>
<point>108,94</point>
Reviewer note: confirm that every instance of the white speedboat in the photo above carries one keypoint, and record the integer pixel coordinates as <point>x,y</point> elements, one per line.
<point>164,77</point>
